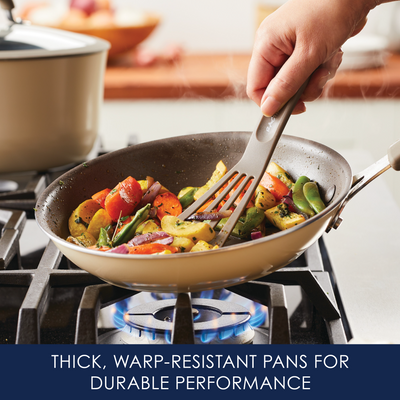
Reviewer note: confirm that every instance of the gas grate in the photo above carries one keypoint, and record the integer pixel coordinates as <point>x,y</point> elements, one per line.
<point>57,302</point>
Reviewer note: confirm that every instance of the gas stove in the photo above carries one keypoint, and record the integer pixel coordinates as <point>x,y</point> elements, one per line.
<point>45,299</point>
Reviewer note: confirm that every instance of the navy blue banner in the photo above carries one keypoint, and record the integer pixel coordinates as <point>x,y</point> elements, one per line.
<point>202,372</point>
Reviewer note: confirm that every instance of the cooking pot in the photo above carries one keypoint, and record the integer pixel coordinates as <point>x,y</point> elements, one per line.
<point>189,161</point>
<point>51,92</point>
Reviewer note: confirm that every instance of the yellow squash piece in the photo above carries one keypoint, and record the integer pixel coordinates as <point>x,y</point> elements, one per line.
<point>275,170</point>
<point>183,244</point>
<point>144,186</point>
<point>201,245</point>
<point>218,173</point>
<point>147,227</point>
<point>194,231</point>
<point>80,218</point>
<point>100,220</point>
<point>85,239</point>
<point>264,199</point>
<point>282,218</point>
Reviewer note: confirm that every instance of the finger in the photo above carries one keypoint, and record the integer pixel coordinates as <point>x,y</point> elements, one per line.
<point>321,76</point>
<point>262,70</point>
<point>260,73</point>
<point>359,27</point>
<point>286,83</point>
<point>300,108</point>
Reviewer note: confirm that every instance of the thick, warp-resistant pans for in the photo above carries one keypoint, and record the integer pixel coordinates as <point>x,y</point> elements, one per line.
<point>189,161</point>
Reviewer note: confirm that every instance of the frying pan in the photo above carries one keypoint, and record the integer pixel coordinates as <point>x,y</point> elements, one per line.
<point>189,161</point>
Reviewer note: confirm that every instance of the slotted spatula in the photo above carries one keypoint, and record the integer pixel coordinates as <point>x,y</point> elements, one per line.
<point>251,166</point>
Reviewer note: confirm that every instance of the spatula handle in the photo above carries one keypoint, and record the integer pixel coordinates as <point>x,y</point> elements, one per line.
<point>268,131</point>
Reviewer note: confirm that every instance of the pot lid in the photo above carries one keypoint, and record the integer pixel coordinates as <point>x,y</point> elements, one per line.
<point>21,41</point>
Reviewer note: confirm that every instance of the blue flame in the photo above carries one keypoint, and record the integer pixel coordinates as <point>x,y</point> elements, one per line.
<point>168,336</point>
<point>120,309</point>
<point>207,294</point>
<point>258,314</point>
<point>207,336</point>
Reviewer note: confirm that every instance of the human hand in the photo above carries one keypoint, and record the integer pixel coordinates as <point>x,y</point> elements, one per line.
<point>301,39</point>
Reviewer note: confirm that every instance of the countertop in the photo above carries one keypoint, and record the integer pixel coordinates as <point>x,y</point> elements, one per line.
<point>224,76</point>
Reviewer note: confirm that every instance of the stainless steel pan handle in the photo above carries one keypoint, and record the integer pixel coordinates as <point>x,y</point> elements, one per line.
<point>362,179</point>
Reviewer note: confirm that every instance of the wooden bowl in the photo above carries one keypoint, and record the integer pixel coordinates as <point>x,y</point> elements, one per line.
<point>121,38</point>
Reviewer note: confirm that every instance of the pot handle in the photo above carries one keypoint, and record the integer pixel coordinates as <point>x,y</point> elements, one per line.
<point>362,179</point>
<point>8,5</point>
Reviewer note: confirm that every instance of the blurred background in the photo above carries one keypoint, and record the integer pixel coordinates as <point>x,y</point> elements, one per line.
<point>187,74</point>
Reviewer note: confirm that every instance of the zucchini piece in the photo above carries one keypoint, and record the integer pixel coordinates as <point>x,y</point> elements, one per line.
<point>194,231</point>
<point>186,196</point>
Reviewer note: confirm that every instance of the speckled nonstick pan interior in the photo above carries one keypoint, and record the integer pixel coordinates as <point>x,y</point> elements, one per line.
<point>189,161</point>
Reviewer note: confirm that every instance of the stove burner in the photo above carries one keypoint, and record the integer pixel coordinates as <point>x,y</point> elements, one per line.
<point>214,322</point>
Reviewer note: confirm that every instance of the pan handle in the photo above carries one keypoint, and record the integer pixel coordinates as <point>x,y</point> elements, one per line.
<point>362,179</point>
<point>8,6</point>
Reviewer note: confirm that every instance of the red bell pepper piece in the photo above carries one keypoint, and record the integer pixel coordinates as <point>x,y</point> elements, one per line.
<point>151,248</point>
<point>275,186</point>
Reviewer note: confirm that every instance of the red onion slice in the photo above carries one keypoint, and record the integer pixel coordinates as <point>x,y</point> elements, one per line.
<point>209,216</point>
<point>149,238</point>
<point>288,200</point>
<point>150,194</point>
<point>256,235</point>
<point>167,240</point>
<point>153,212</point>
<point>121,249</point>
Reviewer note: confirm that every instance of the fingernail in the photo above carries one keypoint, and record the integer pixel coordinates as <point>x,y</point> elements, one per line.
<point>270,106</point>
